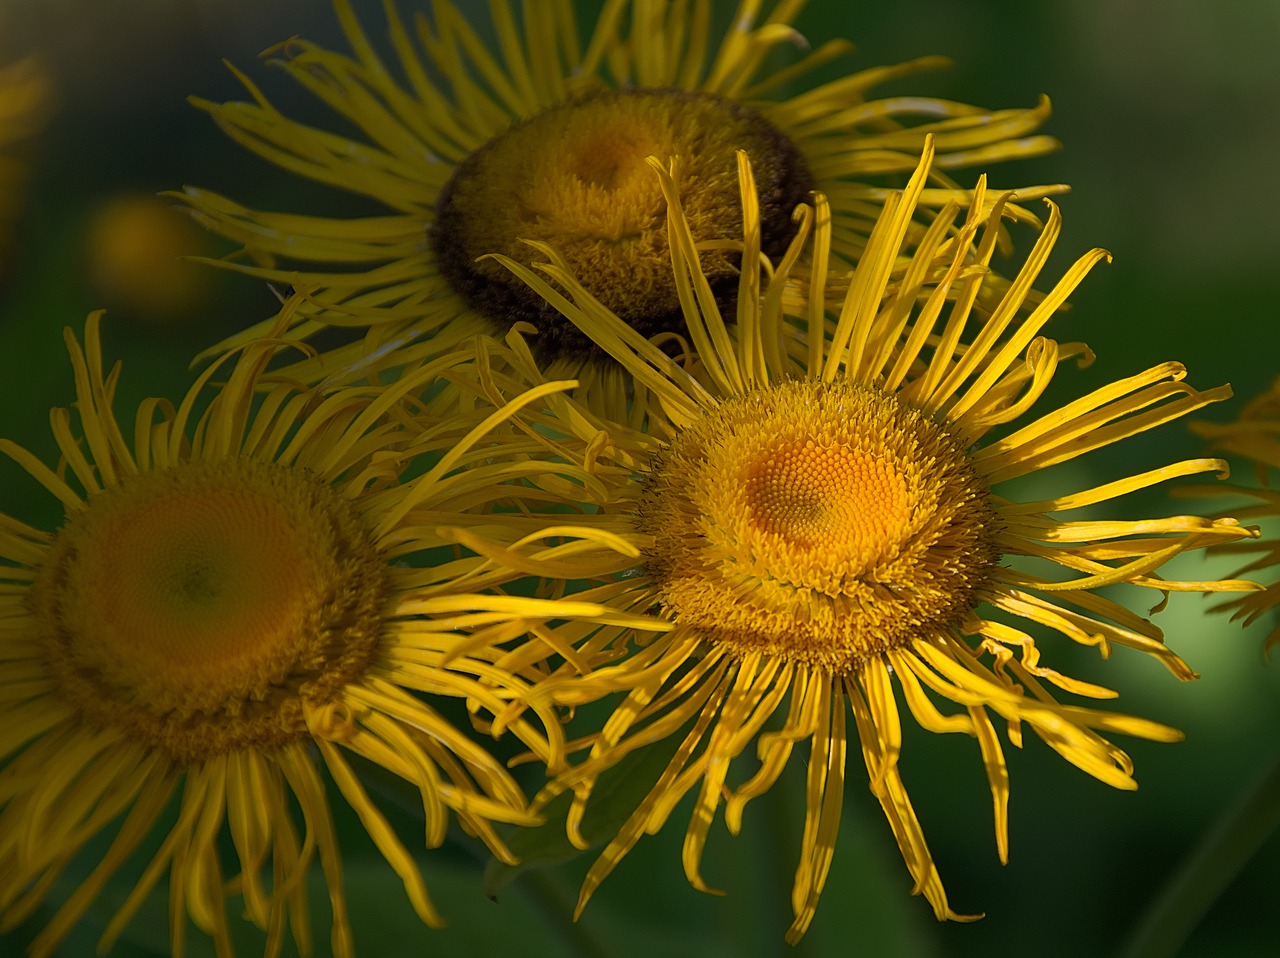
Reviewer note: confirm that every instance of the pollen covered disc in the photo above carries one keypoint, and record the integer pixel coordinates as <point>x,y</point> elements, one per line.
<point>576,177</point>
<point>827,498</point>
<point>823,522</point>
<point>198,606</point>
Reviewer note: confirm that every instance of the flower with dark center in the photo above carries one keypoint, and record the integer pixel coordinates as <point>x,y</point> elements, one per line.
<point>464,150</point>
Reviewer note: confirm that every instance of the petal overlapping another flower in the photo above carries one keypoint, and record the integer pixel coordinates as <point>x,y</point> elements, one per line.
<point>445,96</point>
<point>912,334</point>
<point>142,668</point>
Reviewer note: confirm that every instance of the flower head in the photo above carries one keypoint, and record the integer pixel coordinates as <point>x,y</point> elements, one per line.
<point>24,106</point>
<point>1254,436</point>
<point>476,151</point>
<point>823,520</point>
<point>251,591</point>
<point>136,254</point>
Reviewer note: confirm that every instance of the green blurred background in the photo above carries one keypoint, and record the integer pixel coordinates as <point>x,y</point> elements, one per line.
<point>1168,114</point>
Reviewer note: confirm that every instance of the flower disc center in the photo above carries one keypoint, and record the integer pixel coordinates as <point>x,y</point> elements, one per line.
<point>820,522</point>
<point>187,590</point>
<point>826,497</point>
<point>199,606</point>
<point>575,176</point>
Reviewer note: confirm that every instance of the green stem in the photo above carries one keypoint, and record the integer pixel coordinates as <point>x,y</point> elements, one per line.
<point>1206,872</point>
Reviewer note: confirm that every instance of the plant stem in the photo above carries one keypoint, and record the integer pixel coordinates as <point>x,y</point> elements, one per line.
<point>1206,872</point>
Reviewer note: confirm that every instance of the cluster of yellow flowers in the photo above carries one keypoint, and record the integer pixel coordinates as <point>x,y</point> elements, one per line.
<point>647,391</point>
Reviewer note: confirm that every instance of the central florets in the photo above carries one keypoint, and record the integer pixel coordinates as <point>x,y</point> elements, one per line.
<point>575,177</point>
<point>200,607</point>
<point>825,498</point>
<point>822,522</point>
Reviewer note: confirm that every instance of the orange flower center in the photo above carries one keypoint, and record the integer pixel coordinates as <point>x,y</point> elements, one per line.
<point>821,522</point>
<point>825,497</point>
<point>200,606</point>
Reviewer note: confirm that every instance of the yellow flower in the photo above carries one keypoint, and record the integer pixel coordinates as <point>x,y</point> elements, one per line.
<point>24,106</point>
<point>827,527</point>
<point>236,601</point>
<point>1255,436</point>
<point>137,250</point>
<point>24,99</point>
<point>475,151</point>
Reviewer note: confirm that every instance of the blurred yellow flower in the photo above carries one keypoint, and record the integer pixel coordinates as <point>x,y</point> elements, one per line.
<point>822,517</point>
<point>237,600</point>
<point>25,97</point>
<point>475,150</point>
<point>136,248</point>
<point>1254,436</point>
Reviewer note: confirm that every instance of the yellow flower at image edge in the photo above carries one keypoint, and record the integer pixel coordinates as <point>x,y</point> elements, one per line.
<point>25,95</point>
<point>231,607</point>
<point>1254,436</point>
<point>546,140</point>
<point>825,534</point>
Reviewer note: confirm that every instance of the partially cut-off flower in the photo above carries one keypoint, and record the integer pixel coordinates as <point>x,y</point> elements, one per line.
<point>1254,437</point>
<point>823,522</point>
<point>25,97</point>
<point>467,151</point>
<point>242,598</point>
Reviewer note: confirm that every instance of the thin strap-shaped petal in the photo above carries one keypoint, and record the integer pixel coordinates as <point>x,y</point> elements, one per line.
<point>997,778</point>
<point>376,826</point>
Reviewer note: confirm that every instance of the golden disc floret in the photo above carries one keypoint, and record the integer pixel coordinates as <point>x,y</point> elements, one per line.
<point>821,522</point>
<point>199,607</point>
<point>575,176</point>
